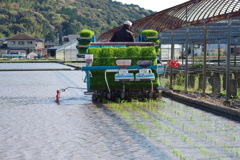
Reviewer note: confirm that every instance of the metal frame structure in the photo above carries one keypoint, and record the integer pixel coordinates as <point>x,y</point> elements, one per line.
<point>190,13</point>
<point>194,22</point>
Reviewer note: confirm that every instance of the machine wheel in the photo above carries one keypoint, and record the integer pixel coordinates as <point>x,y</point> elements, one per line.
<point>109,95</point>
<point>145,96</point>
<point>113,98</point>
<point>150,94</point>
<point>143,93</point>
<point>100,96</point>
<point>154,94</point>
<point>94,96</point>
<point>104,94</point>
<point>158,93</point>
<point>128,95</point>
<point>123,95</point>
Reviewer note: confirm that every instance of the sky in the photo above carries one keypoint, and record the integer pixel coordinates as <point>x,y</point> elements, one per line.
<point>154,5</point>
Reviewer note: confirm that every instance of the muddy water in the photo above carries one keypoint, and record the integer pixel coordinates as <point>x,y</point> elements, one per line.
<point>34,126</point>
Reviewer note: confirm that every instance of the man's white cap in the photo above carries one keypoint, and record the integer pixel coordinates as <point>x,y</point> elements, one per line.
<point>128,23</point>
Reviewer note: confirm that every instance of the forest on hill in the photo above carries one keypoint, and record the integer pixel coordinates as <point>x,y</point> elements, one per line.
<point>49,18</point>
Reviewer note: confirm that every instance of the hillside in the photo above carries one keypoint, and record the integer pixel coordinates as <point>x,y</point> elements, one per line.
<point>49,18</point>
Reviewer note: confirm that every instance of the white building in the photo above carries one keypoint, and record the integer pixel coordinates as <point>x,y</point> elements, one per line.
<point>21,41</point>
<point>69,38</point>
<point>25,43</point>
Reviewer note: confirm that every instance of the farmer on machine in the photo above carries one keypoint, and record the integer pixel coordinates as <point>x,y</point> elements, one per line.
<point>123,35</point>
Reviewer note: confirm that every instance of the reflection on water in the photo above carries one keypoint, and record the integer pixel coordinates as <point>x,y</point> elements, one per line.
<point>33,126</point>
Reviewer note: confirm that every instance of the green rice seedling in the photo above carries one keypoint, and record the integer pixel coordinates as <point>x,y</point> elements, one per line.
<point>234,138</point>
<point>168,130</point>
<point>202,124</point>
<point>176,152</point>
<point>134,52</point>
<point>145,99</point>
<point>133,122</point>
<point>159,126</point>
<point>156,136</point>
<point>172,119</point>
<point>203,150</point>
<point>198,132</point>
<point>118,100</point>
<point>118,108</point>
<point>154,108</point>
<point>147,106</point>
<point>84,42</point>
<point>193,112</point>
<point>126,114</point>
<point>81,51</point>
<point>175,112</point>
<point>155,41</point>
<point>140,104</point>
<point>86,33</point>
<point>191,118</point>
<point>199,147</point>
<point>120,53</point>
<point>180,113</point>
<point>149,53</point>
<point>154,121</point>
<point>183,125</point>
<point>123,101</point>
<point>238,153</point>
<point>141,127</point>
<point>151,134</point>
<point>144,115</point>
<point>138,110</point>
<point>190,142</point>
<point>149,33</point>
<point>181,157</point>
<point>167,143</point>
<point>225,146</point>
<point>137,102</point>
<point>184,138</point>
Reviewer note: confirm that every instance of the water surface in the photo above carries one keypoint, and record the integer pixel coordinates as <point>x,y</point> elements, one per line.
<point>34,126</point>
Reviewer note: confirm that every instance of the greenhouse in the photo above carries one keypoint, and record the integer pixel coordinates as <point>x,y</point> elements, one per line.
<point>68,52</point>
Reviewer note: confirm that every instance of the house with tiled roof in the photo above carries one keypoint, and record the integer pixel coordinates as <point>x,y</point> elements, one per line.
<point>25,43</point>
<point>21,41</point>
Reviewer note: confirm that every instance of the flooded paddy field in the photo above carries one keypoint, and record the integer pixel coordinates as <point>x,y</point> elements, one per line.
<point>33,66</point>
<point>34,126</point>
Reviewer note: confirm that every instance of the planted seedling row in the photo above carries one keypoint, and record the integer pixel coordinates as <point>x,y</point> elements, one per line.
<point>147,120</point>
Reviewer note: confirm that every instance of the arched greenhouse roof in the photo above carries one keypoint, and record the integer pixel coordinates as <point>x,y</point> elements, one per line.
<point>193,14</point>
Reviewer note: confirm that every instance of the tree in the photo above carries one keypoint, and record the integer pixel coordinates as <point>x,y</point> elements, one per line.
<point>15,28</point>
<point>50,37</point>
<point>5,31</point>
<point>48,17</point>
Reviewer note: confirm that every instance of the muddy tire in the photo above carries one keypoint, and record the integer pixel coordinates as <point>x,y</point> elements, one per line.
<point>151,94</point>
<point>104,94</point>
<point>113,96</point>
<point>109,95</point>
<point>94,96</point>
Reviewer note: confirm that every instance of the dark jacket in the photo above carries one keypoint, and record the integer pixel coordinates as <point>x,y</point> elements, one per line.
<point>123,35</point>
